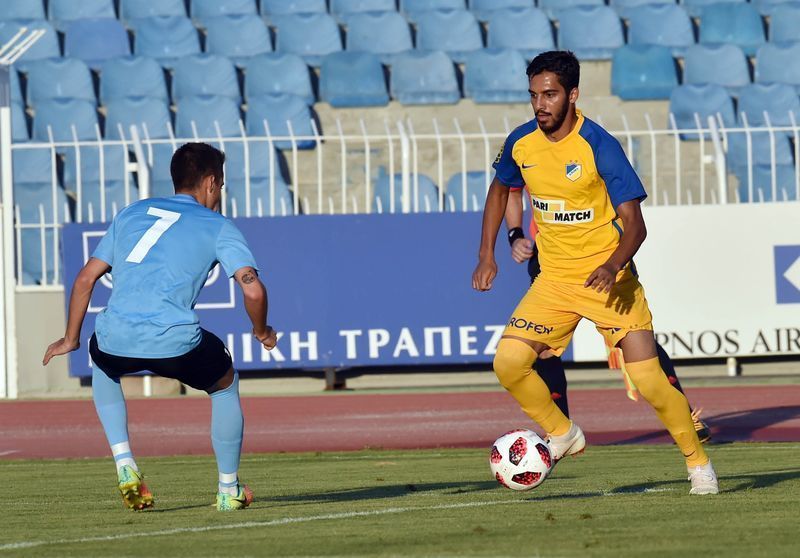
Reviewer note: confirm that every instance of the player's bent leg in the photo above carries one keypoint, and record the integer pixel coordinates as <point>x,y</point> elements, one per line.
<point>552,372</point>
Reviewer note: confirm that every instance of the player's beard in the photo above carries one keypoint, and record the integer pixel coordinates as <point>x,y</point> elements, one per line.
<point>557,120</point>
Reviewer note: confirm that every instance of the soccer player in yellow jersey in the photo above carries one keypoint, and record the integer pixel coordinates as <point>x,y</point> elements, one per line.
<point>586,202</point>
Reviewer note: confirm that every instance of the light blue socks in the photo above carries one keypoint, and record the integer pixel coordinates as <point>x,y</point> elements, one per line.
<point>227,426</point>
<point>110,405</point>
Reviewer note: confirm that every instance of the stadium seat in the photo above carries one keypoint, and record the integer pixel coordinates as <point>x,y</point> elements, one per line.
<point>99,193</point>
<point>347,7</point>
<point>96,40</point>
<point>704,101</point>
<point>413,8</point>
<point>768,7</point>
<point>353,79</point>
<point>310,35</point>
<point>61,115</point>
<point>202,9</point>
<point>524,29</point>
<point>643,72</point>
<point>46,47</point>
<point>784,24</point>
<point>278,72</point>
<point>57,78</point>
<point>785,185</point>
<point>455,32</point>
<point>279,111</point>
<point>383,33</point>
<point>165,38</point>
<point>151,115</point>
<point>424,193</point>
<point>60,12</point>
<point>238,37</point>
<point>661,24</point>
<point>496,76</point>
<point>724,65</point>
<point>779,63</point>
<point>116,82</point>
<point>735,24</point>
<point>262,165</point>
<point>760,149</point>
<point>158,160</point>
<point>778,100</point>
<point>476,183</point>
<point>591,32</point>
<point>207,117</point>
<point>14,85</point>
<point>22,9</point>
<point>19,123</point>
<point>552,7</point>
<point>205,74</point>
<point>270,8</point>
<point>422,78</point>
<point>135,9</point>
<point>696,7</point>
<point>625,7</point>
<point>483,9</point>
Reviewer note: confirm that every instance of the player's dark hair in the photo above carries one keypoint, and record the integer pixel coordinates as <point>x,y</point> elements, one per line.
<point>562,63</point>
<point>192,162</point>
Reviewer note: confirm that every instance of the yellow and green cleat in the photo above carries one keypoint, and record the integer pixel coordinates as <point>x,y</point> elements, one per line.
<point>135,493</point>
<point>229,502</point>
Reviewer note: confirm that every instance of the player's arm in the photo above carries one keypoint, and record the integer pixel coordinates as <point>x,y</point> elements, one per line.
<point>493,213</point>
<point>78,303</point>
<point>256,304</point>
<point>630,212</point>
<point>521,247</point>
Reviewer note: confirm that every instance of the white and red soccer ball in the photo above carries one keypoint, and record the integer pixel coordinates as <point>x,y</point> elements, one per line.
<point>520,460</point>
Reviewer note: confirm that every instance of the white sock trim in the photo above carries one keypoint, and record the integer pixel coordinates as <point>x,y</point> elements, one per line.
<point>119,449</point>
<point>228,478</point>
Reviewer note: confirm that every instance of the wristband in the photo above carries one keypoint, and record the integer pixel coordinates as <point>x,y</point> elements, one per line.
<point>514,234</point>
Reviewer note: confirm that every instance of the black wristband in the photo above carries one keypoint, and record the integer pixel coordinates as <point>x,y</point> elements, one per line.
<point>514,234</point>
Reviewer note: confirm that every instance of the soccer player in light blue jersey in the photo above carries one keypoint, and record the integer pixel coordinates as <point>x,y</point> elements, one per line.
<point>160,252</point>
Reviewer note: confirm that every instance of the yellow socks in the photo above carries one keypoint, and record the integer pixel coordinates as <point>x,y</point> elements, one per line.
<point>670,406</point>
<point>513,365</point>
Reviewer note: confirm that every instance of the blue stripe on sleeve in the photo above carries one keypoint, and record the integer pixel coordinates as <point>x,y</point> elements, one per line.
<point>508,172</point>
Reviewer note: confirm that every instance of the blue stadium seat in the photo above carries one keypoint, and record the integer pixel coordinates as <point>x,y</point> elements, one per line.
<point>591,32</point>
<point>207,116</point>
<point>99,195</point>
<point>643,72</point>
<point>345,7</point>
<point>46,47</point>
<point>483,9</point>
<point>278,110</point>
<point>625,7</point>
<point>151,115</point>
<point>552,7</point>
<point>768,7</point>
<point>696,7</point>
<point>661,24</point>
<point>785,185</point>
<point>310,35</point>
<point>61,115</point>
<point>704,101</point>
<point>271,8</point>
<point>413,8</point>
<point>476,183</point>
<point>59,77</point>
<point>96,40</point>
<point>19,123</point>
<point>423,78</point>
<point>784,23</point>
<point>424,193</point>
<point>760,150</point>
<point>494,75</point>
<point>14,85</point>
<point>259,161</point>
<point>353,79</point>
<point>115,81</point>
<point>60,12</point>
<point>135,9</point>
<point>779,63</point>
<point>278,72</point>
<point>778,100</point>
<point>383,33</point>
<point>238,37</point>
<point>736,24</point>
<point>455,32</point>
<point>22,9</point>
<point>524,29</point>
<point>165,38</point>
<point>205,74</point>
<point>724,65</point>
<point>158,160</point>
<point>202,9</point>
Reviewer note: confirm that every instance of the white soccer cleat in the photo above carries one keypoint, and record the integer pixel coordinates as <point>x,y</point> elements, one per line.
<point>704,479</point>
<point>571,443</point>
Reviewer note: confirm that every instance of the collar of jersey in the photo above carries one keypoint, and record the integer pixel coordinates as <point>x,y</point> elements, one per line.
<point>575,131</point>
<point>185,197</point>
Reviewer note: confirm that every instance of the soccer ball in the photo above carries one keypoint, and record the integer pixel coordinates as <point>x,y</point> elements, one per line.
<point>520,460</point>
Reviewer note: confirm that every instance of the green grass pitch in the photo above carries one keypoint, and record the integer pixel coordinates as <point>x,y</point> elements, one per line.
<point>612,501</point>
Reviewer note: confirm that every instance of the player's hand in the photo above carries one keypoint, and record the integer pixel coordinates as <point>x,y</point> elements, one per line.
<point>60,347</point>
<point>602,279</point>
<point>522,250</point>
<point>484,274</point>
<point>268,338</point>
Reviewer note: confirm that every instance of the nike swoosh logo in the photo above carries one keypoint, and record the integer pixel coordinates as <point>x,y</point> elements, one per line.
<point>524,166</point>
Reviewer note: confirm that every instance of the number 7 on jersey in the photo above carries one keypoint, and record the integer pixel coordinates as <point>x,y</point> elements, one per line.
<point>165,220</point>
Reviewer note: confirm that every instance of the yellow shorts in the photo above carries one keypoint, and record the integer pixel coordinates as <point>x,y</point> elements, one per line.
<point>550,311</point>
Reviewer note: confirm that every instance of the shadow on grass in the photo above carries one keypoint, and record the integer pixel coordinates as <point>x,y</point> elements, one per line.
<point>390,491</point>
<point>747,481</point>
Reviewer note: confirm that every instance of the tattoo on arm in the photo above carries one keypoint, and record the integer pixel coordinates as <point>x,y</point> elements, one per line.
<point>248,277</point>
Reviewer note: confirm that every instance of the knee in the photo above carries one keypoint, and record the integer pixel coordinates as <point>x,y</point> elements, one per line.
<point>513,361</point>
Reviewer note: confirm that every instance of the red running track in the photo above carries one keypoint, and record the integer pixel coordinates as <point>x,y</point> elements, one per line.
<point>53,429</point>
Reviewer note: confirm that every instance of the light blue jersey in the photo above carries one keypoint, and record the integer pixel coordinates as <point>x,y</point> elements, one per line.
<point>160,251</point>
